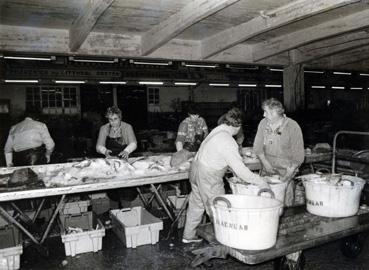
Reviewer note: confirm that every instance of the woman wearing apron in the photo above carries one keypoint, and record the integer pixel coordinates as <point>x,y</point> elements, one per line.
<point>279,145</point>
<point>117,139</point>
<point>217,152</point>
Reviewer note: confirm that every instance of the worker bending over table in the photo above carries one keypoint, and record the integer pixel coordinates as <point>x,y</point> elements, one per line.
<point>217,152</point>
<point>117,139</point>
<point>279,145</point>
<point>29,142</point>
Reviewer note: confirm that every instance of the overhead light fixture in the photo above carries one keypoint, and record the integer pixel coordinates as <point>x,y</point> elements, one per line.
<point>364,74</point>
<point>276,69</point>
<point>150,83</point>
<point>218,84</point>
<point>314,71</point>
<point>72,58</point>
<point>232,66</point>
<point>356,88</point>
<point>341,73</point>
<point>156,63</point>
<point>70,82</point>
<point>273,85</point>
<point>246,85</point>
<point>30,58</point>
<point>185,83</point>
<point>199,65</point>
<point>318,86</point>
<point>338,87</point>
<point>21,81</point>
<point>112,82</point>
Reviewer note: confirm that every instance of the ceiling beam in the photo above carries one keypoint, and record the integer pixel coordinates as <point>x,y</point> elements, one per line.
<point>332,46</point>
<point>342,25</point>
<point>87,19</point>
<point>192,13</point>
<point>268,21</point>
<point>350,57</point>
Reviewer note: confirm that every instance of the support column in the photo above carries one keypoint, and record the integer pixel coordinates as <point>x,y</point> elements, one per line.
<point>294,88</point>
<point>115,98</point>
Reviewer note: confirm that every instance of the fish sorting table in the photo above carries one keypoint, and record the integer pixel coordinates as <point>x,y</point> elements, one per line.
<point>298,230</point>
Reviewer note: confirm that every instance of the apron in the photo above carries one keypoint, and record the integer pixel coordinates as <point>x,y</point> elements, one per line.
<point>33,156</point>
<point>127,194</point>
<point>273,152</point>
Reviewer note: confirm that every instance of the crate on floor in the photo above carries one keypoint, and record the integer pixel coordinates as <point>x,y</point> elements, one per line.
<point>75,207</point>
<point>10,247</point>
<point>81,233</point>
<point>136,226</point>
<point>100,202</point>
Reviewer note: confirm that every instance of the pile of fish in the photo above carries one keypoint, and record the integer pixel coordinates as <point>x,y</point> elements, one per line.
<point>92,170</point>
<point>329,179</point>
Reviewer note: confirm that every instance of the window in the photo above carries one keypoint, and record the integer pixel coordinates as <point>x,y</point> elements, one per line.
<point>53,100</point>
<point>153,96</point>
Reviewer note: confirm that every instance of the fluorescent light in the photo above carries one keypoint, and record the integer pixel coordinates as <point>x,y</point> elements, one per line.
<point>341,73</point>
<point>115,60</point>
<point>364,74</point>
<point>218,84</point>
<point>318,86</point>
<point>21,81</point>
<point>111,82</point>
<point>356,88</point>
<point>199,65</point>
<point>314,71</point>
<point>151,83</point>
<point>246,85</point>
<point>275,69</point>
<point>338,87</point>
<point>273,85</point>
<point>70,82</point>
<point>150,63</point>
<point>30,58</point>
<point>241,67</point>
<point>185,83</point>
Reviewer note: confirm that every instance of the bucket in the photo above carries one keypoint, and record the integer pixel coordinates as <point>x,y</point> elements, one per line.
<point>331,195</point>
<point>243,188</point>
<point>246,222</point>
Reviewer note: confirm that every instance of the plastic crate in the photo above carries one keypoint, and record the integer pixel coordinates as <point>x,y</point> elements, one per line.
<point>90,240</point>
<point>136,226</point>
<point>10,248</point>
<point>177,201</point>
<point>100,203</point>
<point>75,207</point>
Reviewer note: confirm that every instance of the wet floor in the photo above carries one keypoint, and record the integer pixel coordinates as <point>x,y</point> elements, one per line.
<point>172,254</point>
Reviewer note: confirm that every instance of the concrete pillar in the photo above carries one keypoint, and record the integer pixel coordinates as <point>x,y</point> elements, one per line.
<point>294,88</point>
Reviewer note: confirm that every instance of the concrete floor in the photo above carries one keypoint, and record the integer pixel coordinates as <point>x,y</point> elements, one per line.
<point>164,256</point>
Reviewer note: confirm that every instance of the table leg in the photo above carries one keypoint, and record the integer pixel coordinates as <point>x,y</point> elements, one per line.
<point>51,221</point>
<point>183,207</point>
<point>39,208</point>
<point>142,197</point>
<point>161,201</point>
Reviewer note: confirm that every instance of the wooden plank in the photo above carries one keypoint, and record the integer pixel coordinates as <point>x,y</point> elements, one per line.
<point>311,34</point>
<point>349,57</point>
<point>192,13</point>
<point>325,231</point>
<point>269,21</point>
<point>83,25</point>
<point>332,46</point>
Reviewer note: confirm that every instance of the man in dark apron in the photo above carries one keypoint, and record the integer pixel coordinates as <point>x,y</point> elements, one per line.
<point>29,142</point>
<point>117,139</point>
<point>279,145</point>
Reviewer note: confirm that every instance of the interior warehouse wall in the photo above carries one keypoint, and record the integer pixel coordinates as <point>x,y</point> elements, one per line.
<point>17,96</point>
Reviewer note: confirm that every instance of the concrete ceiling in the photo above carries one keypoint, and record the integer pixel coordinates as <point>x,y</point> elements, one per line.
<point>324,34</point>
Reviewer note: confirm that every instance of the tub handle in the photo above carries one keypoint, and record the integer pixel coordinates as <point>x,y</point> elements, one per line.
<point>227,202</point>
<point>268,191</point>
<point>348,180</point>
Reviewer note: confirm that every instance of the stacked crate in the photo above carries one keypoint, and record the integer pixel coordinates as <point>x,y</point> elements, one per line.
<point>10,246</point>
<point>81,231</point>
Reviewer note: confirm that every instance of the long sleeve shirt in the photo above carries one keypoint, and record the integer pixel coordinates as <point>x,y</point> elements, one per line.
<point>126,131</point>
<point>290,146</point>
<point>221,150</point>
<point>28,134</point>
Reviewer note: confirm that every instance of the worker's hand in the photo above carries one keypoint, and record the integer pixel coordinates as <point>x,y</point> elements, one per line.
<point>269,168</point>
<point>290,172</point>
<point>123,155</point>
<point>47,158</point>
<point>107,153</point>
<point>264,183</point>
<point>10,164</point>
